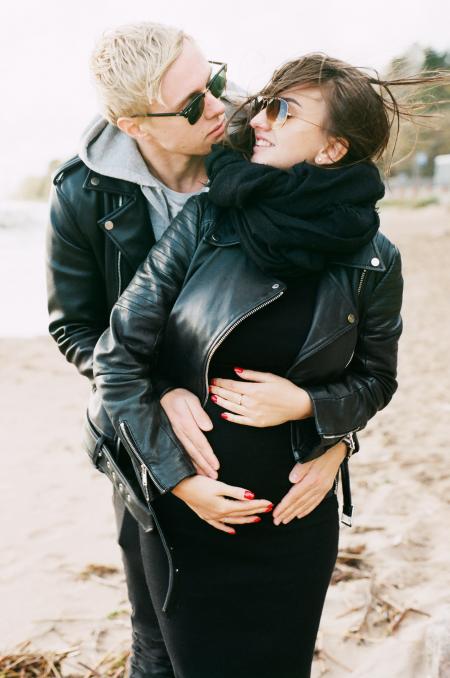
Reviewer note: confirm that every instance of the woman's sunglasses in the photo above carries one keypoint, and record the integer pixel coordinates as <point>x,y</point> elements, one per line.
<point>194,110</point>
<point>277,111</point>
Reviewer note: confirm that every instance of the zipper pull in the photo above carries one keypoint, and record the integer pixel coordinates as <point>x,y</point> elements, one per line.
<point>144,480</point>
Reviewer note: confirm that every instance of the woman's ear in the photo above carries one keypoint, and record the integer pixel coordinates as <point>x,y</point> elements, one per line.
<point>335,149</point>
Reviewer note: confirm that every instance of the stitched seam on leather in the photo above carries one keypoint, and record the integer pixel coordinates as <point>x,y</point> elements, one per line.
<point>68,212</point>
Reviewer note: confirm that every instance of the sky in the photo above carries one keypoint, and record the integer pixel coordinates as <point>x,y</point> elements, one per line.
<point>47,97</point>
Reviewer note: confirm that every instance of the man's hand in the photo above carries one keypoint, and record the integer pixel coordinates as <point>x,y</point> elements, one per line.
<point>189,420</point>
<point>210,500</point>
<point>264,399</point>
<point>312,481</point>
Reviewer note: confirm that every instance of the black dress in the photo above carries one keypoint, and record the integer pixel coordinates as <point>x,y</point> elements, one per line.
<point>248,605</point>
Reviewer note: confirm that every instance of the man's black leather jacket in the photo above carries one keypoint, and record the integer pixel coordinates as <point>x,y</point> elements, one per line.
<point>99,233</point>
<point>193,288</point>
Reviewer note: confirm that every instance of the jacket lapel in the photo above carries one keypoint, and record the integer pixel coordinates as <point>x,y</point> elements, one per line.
<point>126,221</point>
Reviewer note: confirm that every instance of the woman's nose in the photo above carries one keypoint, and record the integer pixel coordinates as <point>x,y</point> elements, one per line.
<point>259,121</point>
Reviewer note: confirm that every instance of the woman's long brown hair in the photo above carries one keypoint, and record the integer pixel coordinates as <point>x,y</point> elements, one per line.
<point>363,111</point>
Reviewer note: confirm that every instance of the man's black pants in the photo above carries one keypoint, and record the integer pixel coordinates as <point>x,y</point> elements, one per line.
<point>149,657</point>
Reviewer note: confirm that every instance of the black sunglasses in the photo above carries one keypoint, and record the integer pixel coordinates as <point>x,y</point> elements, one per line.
<point>196,106</point>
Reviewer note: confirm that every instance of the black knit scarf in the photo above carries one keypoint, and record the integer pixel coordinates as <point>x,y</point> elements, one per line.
<point>295,221</point>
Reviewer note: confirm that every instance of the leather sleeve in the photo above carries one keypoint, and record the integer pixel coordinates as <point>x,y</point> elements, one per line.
<point>124,359</point>
<point>369,382</point>
<point>76,303</point>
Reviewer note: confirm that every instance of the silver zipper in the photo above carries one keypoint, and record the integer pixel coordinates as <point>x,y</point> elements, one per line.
<point>119,274</point>
<point>230,329</point>
<point>341,435</point>
<point>363,275</point>
<point>361,280</point>
<point>144,469</point>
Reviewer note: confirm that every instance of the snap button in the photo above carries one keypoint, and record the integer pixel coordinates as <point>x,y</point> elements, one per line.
<point>120,487</point>
<point>275,286</point>
<point>128,497</point>
<point>114,475</point>
<point>351,318</point>
<point>109,225</point>
<point>215,237</point>
<point>375,261</point>
<point>95,181</point>
<point>108,464</point>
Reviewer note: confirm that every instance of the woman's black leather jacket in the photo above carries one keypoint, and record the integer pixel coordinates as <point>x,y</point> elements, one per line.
<point>194,287</point>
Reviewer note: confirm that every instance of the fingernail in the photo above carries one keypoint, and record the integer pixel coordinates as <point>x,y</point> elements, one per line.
<point>257,519</point>
<point>213,398</point>
<point>269,508</point>
<point>224,415</point>
<point>232,532</point>
<point>213,382</point>
<point>238,369</point>
<point>294,477</point>
<point>248,495</point>
<point>276,522</point>
<point>210,388</point>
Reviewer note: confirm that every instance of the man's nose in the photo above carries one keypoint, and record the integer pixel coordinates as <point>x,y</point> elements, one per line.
<point>213,106</point>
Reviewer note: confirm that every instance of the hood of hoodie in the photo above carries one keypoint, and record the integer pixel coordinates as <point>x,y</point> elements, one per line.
<point>108,151</point>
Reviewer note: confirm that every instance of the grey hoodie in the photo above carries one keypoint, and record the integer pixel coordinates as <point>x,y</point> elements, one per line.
<point>108,151</point>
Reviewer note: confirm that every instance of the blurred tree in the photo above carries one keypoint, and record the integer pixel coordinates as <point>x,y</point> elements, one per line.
<point>419,142</point>
<point>37,188</point>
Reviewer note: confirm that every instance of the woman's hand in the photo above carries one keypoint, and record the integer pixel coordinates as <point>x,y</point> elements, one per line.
<point>189,420</point>
<point>312,481</point>
<point>209,499</point>
<point>264,400</point>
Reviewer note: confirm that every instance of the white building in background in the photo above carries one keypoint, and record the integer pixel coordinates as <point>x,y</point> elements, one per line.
<point>441,175</point>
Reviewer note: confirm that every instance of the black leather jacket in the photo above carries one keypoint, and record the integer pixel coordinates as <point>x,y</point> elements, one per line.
<point>194,287</point>
<point>99,233</point>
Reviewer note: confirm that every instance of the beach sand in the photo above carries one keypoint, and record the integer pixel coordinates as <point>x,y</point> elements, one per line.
<point>394,568</point>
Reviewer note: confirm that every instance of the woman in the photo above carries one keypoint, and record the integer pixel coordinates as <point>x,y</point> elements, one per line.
<point>276,293</point>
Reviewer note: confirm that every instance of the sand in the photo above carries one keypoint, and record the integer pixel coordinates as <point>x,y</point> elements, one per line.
<point>57,514</point>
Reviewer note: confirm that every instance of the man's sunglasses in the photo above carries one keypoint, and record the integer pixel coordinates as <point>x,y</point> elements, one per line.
<point>193,111</point>
<point>277,111</point>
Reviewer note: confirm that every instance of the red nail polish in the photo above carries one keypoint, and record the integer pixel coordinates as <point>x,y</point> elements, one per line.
<point>248,495</point>
<point>214,398</point>
<point>210,388</point>
<point>232,532</point>
<point>257,519</point>
<point>269,508</point>
<point>238,369</point>
<point>224,415</point>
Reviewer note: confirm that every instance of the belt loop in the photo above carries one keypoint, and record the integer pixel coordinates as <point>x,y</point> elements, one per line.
<point>347,508</point>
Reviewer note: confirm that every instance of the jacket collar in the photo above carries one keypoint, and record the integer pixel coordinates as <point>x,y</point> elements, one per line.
<point>367,257</point>
<point>100,182</point>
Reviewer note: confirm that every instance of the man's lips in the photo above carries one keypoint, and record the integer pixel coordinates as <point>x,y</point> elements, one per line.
<point>218,129</point>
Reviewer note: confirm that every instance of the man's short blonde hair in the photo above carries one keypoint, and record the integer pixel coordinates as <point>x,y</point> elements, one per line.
<point>128,64</point>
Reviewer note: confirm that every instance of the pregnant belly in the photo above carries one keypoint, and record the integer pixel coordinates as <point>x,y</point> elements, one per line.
<point>257,459</point>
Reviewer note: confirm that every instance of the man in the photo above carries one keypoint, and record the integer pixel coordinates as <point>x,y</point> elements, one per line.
<point>135,170</point>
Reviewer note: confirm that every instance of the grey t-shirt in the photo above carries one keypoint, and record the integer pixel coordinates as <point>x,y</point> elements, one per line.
<point>164,204</point>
